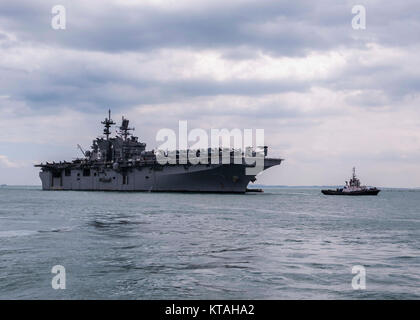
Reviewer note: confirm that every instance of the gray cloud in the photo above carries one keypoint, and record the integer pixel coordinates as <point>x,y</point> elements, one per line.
<point>297,69</point>
<point>276,27</point>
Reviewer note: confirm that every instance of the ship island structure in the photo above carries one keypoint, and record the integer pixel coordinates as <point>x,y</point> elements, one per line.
<point>121,163</point>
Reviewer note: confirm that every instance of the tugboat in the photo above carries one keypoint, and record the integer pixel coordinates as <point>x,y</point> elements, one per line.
<point>352,188</point>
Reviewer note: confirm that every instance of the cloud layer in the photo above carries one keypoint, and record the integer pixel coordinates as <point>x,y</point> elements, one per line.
<point>329,97</point>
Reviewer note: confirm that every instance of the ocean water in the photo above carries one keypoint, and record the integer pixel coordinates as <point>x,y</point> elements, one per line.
<point>281,244</point>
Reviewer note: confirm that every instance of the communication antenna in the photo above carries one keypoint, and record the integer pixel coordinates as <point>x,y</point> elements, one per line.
<point>108,122</point>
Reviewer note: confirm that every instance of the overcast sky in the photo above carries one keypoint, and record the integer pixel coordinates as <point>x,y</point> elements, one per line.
<point>328,97</point>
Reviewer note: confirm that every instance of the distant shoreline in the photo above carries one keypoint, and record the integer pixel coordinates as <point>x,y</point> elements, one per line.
<point>317,187</point>
<point>254,186</point>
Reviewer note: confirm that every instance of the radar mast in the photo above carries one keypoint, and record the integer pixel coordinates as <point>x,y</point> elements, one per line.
<point>124,129</point>
<point>108,122</point>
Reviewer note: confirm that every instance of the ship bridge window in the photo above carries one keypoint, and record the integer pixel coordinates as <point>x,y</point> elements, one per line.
<point>67,172</point>
<point>86,172</point>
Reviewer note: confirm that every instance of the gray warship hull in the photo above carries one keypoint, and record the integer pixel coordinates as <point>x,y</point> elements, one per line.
<point>121,163</point>
<point>221,178</point>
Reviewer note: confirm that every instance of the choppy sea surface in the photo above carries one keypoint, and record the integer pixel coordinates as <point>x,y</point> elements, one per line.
<point>281,244</point>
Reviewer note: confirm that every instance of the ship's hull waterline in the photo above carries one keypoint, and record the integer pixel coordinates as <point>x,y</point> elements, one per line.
<point>353,193</point>
<point>220,178</point>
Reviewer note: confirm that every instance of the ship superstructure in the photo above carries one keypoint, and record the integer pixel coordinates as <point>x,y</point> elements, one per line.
<point>122,163</point>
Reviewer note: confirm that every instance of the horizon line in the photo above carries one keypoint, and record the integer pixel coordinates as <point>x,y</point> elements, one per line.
<point>249,186</point>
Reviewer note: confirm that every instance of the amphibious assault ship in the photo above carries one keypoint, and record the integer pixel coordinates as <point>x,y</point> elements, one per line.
<point>121,163</point>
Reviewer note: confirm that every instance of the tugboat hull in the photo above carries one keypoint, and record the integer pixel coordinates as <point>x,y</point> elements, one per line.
<point>352,193</point>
